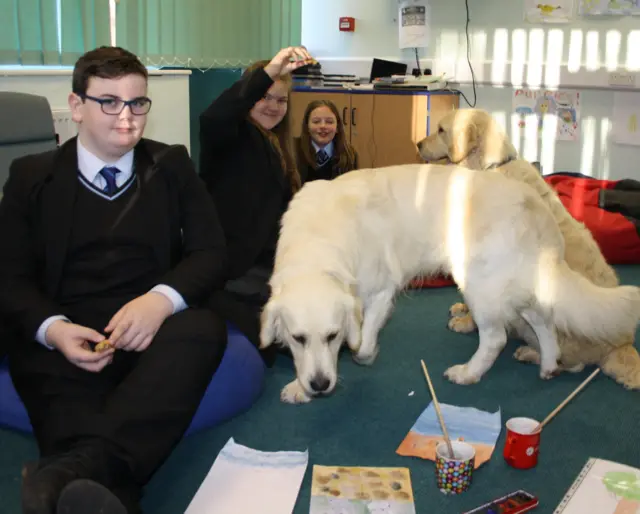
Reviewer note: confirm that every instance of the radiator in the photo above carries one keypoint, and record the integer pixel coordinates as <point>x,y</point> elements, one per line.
<point>64,126</point>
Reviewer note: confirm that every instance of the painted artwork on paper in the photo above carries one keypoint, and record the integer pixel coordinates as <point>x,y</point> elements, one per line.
<point>555,11</point>
<point>605,487</point>
<point>561,108</point>
<point>625,125</point>
<point>479,428</point>
<point>361,490</point>
<point>609,7</point>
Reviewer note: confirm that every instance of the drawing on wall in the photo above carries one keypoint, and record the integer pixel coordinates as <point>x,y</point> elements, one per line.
<point>556,11</point>
<point>625,129</point>
<point>537,106</point>
<point>609,7</point>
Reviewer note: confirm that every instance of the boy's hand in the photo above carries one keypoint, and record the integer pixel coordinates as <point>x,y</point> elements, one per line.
<point>287,60</point>
<point>73,342</point>
<point>134,326</point>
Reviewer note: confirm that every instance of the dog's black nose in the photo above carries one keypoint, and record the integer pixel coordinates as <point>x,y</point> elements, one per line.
<point>320,383</point>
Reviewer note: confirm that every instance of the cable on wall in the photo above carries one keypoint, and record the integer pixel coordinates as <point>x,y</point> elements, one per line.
<point>473,76</point>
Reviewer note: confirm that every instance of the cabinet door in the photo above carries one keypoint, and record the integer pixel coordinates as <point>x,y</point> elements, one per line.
<point>439,106</point>
<point>399,121</point>
<point>361,128</point>
<point>300,99</point>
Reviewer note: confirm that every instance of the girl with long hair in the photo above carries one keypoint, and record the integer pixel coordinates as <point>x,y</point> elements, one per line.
<point>322,149</point>
<point>248,165</point>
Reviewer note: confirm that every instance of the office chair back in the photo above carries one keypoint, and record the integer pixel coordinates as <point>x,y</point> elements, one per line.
<point>26,127</point>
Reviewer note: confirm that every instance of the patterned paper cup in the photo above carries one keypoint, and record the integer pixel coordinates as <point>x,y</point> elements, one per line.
<point>454,474</point>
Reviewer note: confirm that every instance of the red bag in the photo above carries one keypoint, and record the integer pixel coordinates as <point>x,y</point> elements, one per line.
<point>615,234</point>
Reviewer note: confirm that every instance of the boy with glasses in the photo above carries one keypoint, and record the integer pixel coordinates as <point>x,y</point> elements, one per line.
<point>111,244</point>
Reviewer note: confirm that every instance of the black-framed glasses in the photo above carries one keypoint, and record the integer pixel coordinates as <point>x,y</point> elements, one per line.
<point>114,105</point>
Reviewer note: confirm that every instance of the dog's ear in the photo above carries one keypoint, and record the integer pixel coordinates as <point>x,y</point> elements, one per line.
<point>495,146</point>
<point>462,141</point>
<point>270,323</point>
<point>353,321</point>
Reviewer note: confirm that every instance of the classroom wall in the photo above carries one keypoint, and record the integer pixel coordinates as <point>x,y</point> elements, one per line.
<point>504,51</point>
<point>169,118</point>
<point>179,96</point>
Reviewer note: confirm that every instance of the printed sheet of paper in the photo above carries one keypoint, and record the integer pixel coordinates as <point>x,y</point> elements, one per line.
<point>539,107</point>
<point>246,480</point>
<point>625,128</point>
<point>413,24</point>
<point>478,428</point>
<point>361,490</point>
<point>557,11</point>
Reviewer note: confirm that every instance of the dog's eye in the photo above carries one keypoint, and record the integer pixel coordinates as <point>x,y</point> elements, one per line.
<point>331,336</point>
<point>440,130</point>
<point>300,339</point>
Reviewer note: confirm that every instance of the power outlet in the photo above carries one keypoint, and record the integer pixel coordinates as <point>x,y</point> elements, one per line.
<point>622,79</point>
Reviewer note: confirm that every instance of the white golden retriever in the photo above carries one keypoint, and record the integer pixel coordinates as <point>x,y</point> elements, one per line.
<point>348,245</point>
<point>473,138</point>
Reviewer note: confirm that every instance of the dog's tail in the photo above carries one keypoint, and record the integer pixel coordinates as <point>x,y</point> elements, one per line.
<point>598,314</point>
<point>623,365</point>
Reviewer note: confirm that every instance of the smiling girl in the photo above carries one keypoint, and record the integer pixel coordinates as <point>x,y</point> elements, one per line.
<point>247,163</point>
<point>323,151</point>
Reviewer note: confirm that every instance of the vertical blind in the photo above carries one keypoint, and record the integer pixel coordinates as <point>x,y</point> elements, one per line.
<point>207,33</point>
<point>51,32</point>
<point>190,33</point>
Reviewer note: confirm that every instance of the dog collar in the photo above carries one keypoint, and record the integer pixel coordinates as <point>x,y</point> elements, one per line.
<point>499,164</point>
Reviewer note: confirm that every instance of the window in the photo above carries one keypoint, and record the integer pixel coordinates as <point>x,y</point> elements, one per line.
<point>112,21</point>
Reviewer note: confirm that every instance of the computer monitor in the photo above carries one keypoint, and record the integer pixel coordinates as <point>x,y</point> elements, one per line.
<point>382,68</point>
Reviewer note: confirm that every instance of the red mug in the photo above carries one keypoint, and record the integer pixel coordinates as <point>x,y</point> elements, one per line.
<point>522,445</point>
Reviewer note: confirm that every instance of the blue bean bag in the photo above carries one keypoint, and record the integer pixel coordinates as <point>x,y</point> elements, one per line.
<point>236,385</point>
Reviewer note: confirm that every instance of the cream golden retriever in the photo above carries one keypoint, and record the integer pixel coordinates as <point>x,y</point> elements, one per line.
<point>472,137</point>
<point>347,246</point>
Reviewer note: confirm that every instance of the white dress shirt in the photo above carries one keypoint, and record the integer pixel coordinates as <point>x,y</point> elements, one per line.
<point>89,166</point>
<point>327,148</point>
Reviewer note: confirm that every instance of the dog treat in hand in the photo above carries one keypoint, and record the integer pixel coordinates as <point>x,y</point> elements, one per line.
<point>103,346</point>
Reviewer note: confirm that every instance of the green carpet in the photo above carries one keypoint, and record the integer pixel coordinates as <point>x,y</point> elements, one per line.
<point>371,412</point>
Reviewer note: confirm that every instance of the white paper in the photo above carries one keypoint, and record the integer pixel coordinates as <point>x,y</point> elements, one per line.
<point>603,487</point>
<point>626,119</point>
<point>609,7</point>
<point>413,24</point>
<point>558,11</point>
<point>246,480</point>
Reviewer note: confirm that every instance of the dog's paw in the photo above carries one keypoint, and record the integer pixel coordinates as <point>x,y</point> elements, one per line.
<point>462,324</point>
<point>458,309</point>
<point>366,358</point>
<point>527,354</point>
<point>548,375</point>
<point>550,364</point>
<point>549,371</point>
<point>294,393</point>
<point>459,374</point>
<point>629,383</point>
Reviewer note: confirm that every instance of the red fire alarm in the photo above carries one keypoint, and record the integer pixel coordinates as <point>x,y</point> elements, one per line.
<point>347,24</point>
